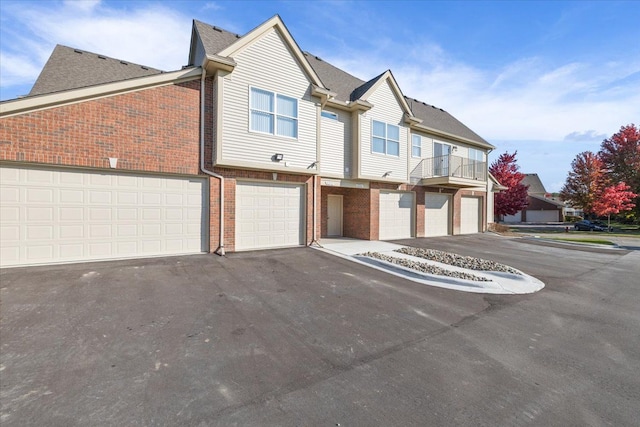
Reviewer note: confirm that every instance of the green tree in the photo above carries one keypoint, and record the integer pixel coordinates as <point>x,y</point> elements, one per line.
<point>585,181</point>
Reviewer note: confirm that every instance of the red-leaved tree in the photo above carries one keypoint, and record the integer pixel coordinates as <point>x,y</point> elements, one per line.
<point>506,171</point>
<point>620,156</point>
<point>613,200</point>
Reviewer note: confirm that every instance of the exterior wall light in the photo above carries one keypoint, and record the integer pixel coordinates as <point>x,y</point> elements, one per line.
<point>278,157</point>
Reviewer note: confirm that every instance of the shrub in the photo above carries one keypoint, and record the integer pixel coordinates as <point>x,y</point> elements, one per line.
<point>572,218</point>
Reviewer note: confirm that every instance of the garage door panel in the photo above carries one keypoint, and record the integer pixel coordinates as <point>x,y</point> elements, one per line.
<point>269,215</point>
<point>437,219</point>
<point>542,216</point>
<point>470,215</point>
<point>64,215</point>
<point>395,215</point>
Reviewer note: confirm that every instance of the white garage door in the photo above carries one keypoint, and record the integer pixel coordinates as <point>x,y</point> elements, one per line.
<point>50,216</point>
<point>269,215</point>
<point>396,215</point>
<point>517,217</point>
<point>437,217</point>
<point>542,216</point>
<point>469,215</point>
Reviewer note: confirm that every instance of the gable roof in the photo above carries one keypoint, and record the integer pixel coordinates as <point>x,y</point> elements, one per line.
<point>220,43</point>
<point>214,39</point>
<point>69,68</point>
<point>534,183</point>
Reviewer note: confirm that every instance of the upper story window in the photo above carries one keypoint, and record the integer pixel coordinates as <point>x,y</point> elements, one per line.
<point>329,115</point>
<point>273,113</point>
<point>475,154</point>
<point>385,138</point>
<point>416,146</point>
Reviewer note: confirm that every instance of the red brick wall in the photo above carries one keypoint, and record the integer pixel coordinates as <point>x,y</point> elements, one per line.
<point>356,212</point>
<point>155,130</point>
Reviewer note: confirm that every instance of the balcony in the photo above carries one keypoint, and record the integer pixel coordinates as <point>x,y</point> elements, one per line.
<point>451,171</point>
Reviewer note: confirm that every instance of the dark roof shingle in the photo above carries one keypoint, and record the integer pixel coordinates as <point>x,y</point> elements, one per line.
<point>69,68</point>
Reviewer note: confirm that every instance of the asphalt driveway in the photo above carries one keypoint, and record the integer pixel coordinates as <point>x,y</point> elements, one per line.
<point>299,337</point>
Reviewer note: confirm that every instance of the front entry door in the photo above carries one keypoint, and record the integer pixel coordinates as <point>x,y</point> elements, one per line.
<point>334,215</point>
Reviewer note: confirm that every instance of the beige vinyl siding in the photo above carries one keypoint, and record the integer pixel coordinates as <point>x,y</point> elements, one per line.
<point>267,64</point>
<point>335,146</point>
<point>427,149</point>
<point>385,109</point>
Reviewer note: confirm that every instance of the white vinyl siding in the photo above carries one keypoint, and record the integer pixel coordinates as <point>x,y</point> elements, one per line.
<point>269,215</point>
<point>335,148</point>
<point>268,64</point>
<point>470,215</point>
<point>386,109</point>
<point>396,215</point>
<point>426,150</point>
<point>57,215</point>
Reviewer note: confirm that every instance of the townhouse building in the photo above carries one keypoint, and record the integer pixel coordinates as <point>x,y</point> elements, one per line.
<point>254,144</point>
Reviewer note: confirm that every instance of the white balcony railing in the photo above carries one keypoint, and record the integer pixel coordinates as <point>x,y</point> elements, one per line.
<point>450,166</point>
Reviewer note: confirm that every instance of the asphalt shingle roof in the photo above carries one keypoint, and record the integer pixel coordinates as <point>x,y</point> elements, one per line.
<point>439,119</point>
<point>214,39</point>
<point>69,68</point>
<point>534,183</point>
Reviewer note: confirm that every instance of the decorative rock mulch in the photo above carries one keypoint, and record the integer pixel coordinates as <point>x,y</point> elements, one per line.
<point>467,262</point>
<point>425,268</point>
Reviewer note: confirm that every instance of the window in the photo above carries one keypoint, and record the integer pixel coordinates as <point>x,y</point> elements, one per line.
<point>329,115</point>
<point>416,145</point>
<point>273,113</point>
<point>385,138</point>
<point>476,155</point>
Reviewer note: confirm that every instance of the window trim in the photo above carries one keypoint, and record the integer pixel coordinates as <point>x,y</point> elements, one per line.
<point>413,136</point>
<point>385,138</point>
<point>274,114</point>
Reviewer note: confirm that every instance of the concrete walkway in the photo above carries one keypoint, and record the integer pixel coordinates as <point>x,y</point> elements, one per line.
<point>499,282</point>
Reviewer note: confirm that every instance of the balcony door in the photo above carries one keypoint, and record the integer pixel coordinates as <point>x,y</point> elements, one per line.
<point>441,154</point>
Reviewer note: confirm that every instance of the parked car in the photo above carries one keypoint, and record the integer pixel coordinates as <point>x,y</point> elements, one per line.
<point>586,225</point>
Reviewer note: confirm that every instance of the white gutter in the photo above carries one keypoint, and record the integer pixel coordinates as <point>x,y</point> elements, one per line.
<point>220,250</point>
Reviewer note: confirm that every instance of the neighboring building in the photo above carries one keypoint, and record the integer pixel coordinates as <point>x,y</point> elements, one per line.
<point>253,145</point>
<point>541,207</point>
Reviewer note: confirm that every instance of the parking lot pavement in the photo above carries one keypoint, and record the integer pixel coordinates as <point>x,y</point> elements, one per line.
<point>299,337</point>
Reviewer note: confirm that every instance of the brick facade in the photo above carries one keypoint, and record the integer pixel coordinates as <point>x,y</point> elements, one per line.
<point>361,208</point>
<point>152,130</point>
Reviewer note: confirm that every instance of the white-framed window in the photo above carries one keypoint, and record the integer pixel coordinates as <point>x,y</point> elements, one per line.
<point>272,113</point>
<point>416,146</point>
<point>329,115</point>
<point>385,138</point>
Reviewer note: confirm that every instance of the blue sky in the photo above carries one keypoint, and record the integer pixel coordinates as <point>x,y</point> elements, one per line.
<point>548,79</point>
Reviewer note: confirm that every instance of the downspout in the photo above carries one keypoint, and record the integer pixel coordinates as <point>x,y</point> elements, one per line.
<point>486,211</point>
<point>220,250</point>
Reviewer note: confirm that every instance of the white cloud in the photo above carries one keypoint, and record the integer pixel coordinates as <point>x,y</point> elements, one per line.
<point>585,136</point>
<point>528,98</point>
<point>150,35</point>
